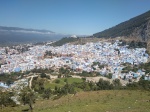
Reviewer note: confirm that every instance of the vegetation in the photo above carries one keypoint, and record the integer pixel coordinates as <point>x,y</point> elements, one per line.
<point>47,93</point>
<point>128,67</point>
<point>109,76</point>
<point>64,72</point>
<point>125,28</point>
<point>104,85</point>
<point>5,99</point>
<point>48,53</point>
<point>142,84</point>
<point>43,75</point>
<point>98,64</point>
<point>134,44</point>
<point>146,67</point>
<point>10,78</point>
<point>55,90</point>
<point>68,88</point>
<point>94,101</point>
<point>27,96</point>
<point>86,74</point>
<point>38,85</point>
<point>64,41</point>
<point>42,70</point>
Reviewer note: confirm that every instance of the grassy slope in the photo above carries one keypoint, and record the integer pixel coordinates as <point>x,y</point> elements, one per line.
<point>97,101</point>
<point>62,83</point>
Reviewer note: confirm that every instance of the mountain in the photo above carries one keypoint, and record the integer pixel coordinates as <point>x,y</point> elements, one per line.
<point>137,27</point>
<point>15,35</point>
<point>23,30</point>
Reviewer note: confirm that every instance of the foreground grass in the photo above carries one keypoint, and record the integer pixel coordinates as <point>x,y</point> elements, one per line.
<point>97,101</point>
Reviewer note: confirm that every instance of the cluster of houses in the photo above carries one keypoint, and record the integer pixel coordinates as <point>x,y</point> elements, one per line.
<point>17,85</point>
<point>78,58</point>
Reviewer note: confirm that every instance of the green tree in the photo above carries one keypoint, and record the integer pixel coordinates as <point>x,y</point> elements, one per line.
<point>66,80</point>
<point>43,75</point>
<point>9,82</point>
<point>27,96</point>
<point>6,50</point>
<point>116,83</point>
<point>109,75</point>
<point>84,79</point>
<point>47,93</point>
<point>5,99</point>
<point>57,81</point>
<point>104,85</point>
<point>59,76</point>
<point>144,84</point>
<point>41,86</point>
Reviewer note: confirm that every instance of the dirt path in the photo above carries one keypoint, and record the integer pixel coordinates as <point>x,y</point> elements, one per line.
<point>30,82</point>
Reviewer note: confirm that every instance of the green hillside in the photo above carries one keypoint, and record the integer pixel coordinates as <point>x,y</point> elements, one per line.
<point>97,101</point>
<point>64,41</point>
<point>126,28</point>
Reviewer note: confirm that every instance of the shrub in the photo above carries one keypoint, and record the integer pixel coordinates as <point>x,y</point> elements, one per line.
<point>43,75</point>
<point>65,80</point>
<point>57,81</point>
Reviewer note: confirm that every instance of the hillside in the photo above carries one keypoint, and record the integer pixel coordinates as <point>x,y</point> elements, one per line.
<point>64,41</point>
<point>137,27</point>
<point>97,101</point>
<point>79,40</point>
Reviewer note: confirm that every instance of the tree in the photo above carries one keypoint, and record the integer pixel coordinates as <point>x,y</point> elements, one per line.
<point>9,82</point>
<point>104,85</point>
<point>109,75</point>
<point>92,85</point>
<point>27,96</point>
<point>84,79</point>
<point>59,76</point>
<point>47,93</point>
<point>6,50</point>
<point>57,81</point>
<point>144,84</point>
<point>61,70</point>
<point>66,80</point>
<point>116,83</point>
<point>41,86</point>
<point>5,99</point>
<point>43,75</point>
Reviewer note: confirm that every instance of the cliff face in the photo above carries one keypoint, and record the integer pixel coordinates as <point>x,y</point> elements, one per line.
<point>142,32</point>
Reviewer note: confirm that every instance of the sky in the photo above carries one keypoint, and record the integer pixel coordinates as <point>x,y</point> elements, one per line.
<point>79,17</point>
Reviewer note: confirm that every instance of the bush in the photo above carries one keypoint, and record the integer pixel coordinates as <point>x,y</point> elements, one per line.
<point>65,80</point>
<point>104,85</point>
<point>48,77</point>
<point>109,76</point>
<point>59,76</point>
<point>43,75</point>
<point>57,81</point>
<point>116,83</point>
<point>84,79</point>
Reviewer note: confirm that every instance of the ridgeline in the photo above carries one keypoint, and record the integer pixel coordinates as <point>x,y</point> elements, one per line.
<point>137,27</point>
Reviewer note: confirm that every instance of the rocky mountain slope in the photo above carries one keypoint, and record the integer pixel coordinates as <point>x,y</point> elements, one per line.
<point>137,27</point>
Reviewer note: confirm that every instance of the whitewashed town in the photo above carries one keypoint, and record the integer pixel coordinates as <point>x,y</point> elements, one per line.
<point>74,56</point>
<point>77,57</point>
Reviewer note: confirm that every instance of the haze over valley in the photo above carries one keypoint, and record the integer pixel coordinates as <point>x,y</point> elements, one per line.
<point>74,56</point>
<point>15,35</point>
